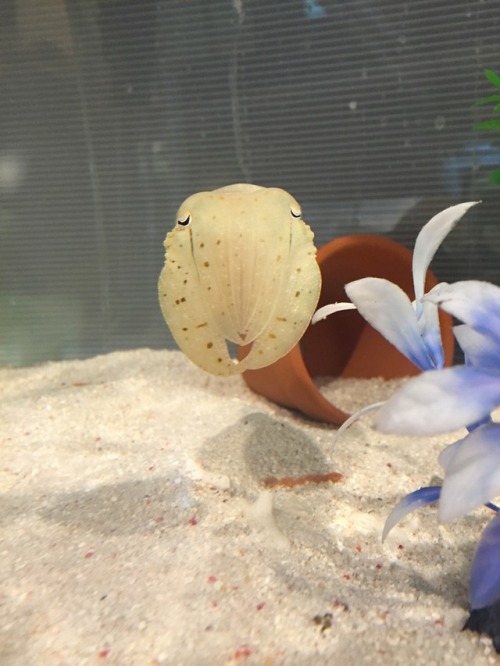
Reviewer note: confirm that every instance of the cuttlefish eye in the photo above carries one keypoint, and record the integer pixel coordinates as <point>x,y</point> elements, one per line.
<point>183,222</point>
<point>297,213</point>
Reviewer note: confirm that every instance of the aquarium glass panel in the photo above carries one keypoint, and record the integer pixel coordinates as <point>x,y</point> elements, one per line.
<point>112,112</point>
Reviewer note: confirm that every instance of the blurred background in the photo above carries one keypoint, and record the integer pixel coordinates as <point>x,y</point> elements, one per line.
<point>113,111</point>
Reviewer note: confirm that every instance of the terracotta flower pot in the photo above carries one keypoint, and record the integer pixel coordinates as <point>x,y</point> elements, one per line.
<point>344,344</point>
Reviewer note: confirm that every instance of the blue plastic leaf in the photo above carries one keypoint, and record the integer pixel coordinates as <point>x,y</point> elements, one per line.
<point>428,241</point>
<point>484,587</point>
<point>472,472</point>
<point>473,302</point>
<point>430,330</point>
<point>388,309</point>
<point>479,350</point>
<point>416,499</point>
<point>441,401</point>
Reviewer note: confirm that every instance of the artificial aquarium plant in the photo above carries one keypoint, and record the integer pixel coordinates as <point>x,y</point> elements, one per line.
<point>462,396</point>
<point>413,328</point>
<point>443,400</point>
<point>491,124</point>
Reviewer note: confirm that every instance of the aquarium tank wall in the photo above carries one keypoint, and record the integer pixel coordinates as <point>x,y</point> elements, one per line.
<point>112,112</point>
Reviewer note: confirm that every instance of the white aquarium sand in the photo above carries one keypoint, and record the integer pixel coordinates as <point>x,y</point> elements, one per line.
<point>151,515</point>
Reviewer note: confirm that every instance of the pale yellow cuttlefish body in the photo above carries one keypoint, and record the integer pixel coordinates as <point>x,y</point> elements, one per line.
<point>240,266</point>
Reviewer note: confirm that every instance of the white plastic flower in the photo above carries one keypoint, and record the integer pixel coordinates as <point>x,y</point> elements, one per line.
<point>413,328</point>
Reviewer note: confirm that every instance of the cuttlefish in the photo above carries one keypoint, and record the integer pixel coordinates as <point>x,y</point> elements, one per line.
<point>240,267</point>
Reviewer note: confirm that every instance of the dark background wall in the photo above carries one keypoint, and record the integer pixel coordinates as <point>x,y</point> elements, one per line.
<point>113,111</point>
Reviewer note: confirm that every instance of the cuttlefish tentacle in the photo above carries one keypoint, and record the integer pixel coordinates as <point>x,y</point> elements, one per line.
<point>240,266</point>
